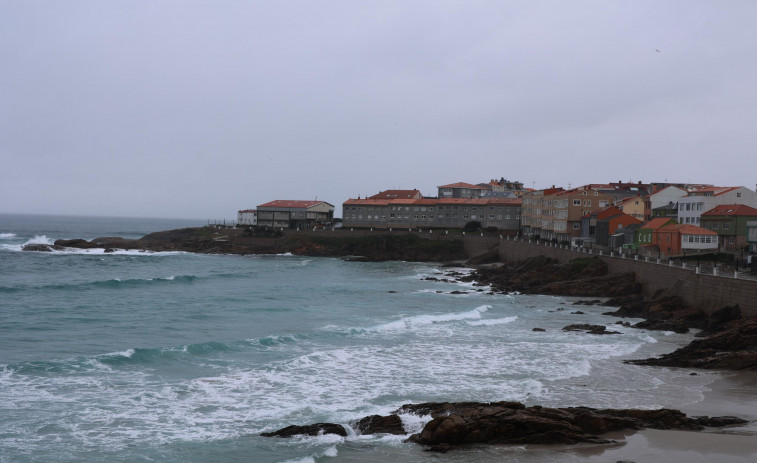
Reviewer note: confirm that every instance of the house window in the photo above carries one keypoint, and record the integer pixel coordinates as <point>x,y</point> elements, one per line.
<point>726,226</point>
<point>491,216</point>
<point>576,202</point>
<point>576,226</point>
<point>738,195</point>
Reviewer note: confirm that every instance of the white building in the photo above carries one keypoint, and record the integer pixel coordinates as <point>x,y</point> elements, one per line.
<point>247,217</point>
<point>691,206</point>
<point>695,238</point>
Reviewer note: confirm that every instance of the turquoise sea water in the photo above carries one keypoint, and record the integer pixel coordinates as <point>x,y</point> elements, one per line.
<point>176,357</point>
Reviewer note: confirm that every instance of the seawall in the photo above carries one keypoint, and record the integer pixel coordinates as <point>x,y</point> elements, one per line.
<point>707,292</point>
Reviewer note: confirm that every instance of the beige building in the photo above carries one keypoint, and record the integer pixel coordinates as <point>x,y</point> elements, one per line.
<point>555,213</point>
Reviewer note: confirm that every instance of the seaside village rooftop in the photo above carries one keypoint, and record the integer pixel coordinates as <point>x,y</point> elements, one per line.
<point>661,219</point>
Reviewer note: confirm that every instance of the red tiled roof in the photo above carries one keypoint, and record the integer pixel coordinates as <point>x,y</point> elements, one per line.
<point>285,203</point>
<point>732,209</point>
<point>396,194</point>
<point>716,190</point>
<point>657,223</point>
<point>610,211</point>
<point>694,230</point>
<point>463,185</point>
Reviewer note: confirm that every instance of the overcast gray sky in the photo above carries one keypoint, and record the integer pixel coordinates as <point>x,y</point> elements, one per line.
<point>197,109</point>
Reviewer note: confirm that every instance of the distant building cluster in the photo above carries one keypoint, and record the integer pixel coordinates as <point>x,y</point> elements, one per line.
<point>656,218</point>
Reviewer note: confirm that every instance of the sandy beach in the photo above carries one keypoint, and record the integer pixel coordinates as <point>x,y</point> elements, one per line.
<point>734,393</point>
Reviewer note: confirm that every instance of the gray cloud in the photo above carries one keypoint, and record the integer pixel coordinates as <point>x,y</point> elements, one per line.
<point>197,109</point>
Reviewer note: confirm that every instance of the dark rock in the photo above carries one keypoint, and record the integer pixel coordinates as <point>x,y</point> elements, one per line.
<point>585,277</point>
<point>77,243</point>
<point>577,312</point>
<point>593,302</point>
<point>513,423</point>
<point>669,313</point>
<point>37,247</point>
<point>309,430</point>
<point>733,349</point>
<point>377,424</point>
<point>538,329</point>
<point>458,292</point>
<point>663,325</point>
<point>461,423</point>
<point>590,329</point>
<point>721,320</point>
<point>719,421</point>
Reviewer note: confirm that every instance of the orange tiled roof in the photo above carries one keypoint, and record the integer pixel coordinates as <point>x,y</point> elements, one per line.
<point>285,203</point>
<point>657,223</point>
<point>694,230</point>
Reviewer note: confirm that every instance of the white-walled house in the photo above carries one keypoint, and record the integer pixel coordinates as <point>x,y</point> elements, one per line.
<point>695,238</point>
<point>669,194</point>
<point>692,206</point>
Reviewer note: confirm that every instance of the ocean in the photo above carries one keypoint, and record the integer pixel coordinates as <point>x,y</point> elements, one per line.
<point>176,357</point>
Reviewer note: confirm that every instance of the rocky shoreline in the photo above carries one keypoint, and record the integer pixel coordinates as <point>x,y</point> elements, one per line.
<point>729,341</point>
<point>464,423</point>
<point>731,345</point>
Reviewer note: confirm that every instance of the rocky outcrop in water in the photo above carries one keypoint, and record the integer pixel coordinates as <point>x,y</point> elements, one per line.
<point>463,423</point>
<point>734,347</point>
<point>210,240</point>
<point>668,313</point>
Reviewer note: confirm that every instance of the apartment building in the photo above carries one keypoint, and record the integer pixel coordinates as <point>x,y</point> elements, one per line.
<point>502,213</point>
<point>556,214</point>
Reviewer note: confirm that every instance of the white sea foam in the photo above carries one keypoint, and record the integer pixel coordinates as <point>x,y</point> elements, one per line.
<point>39,239</point>
<point>493,321</point>
<point>308,459</point>
<point>7,236</point>
<point>414,423</point>
<point>410,323</point>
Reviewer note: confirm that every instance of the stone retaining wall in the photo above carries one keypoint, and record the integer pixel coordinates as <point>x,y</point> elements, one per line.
<point>707,292</point>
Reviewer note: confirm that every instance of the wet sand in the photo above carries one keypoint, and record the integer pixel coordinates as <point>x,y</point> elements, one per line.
<point>733,394</point>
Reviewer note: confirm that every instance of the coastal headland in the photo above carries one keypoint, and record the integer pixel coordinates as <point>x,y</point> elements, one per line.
<point>728,333</point>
